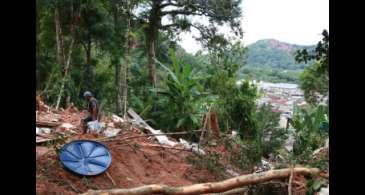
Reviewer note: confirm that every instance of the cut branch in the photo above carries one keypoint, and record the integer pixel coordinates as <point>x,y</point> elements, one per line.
<point>214,187</point>
<point>111,179</point>
<point>148,135</point>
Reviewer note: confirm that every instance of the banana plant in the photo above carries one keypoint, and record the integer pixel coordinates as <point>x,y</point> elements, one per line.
<point>307,124</point>
<point>183,93</point>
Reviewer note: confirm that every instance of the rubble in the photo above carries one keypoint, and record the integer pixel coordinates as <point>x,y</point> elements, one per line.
<point>43,130</point>
<point>264,166</point>
<point>94,127</point>
<point>194,147</point>
<point>67,126</point>
<point>137,120</point>
<point>111,132</point>
<point>116,119</point>
<point>324,191</point>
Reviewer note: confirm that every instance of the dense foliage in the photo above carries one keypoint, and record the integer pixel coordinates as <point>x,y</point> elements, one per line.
<point>183,92</point>
<point>315,78</point>
<point>272,137</point>
<point>308,135</point>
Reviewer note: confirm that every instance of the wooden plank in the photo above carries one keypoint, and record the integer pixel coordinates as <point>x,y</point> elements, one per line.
<point>41,140</point>
<point>43,135</point>
<point>138,119</point>
<point>162,139</point>
<point>47,124</point>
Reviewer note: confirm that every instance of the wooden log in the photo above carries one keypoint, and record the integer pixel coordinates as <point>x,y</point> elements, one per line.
<point>213,187</point>
<point>47,124</point>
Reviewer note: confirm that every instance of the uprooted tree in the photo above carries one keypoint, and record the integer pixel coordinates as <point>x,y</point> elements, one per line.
<point>215,187</point>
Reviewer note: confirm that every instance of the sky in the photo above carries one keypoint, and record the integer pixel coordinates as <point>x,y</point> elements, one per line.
<point>293,21</point>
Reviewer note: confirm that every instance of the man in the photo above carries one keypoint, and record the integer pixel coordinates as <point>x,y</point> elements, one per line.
<point>93,110</point>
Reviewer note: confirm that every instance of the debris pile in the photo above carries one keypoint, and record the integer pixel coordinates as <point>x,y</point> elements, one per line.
<point>140,154</point>
<point>138,157</point>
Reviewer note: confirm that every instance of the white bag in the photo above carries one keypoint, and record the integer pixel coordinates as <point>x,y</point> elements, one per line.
<point>93,127</point>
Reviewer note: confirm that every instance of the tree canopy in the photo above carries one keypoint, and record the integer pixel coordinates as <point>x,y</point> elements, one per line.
<point>315,78</point>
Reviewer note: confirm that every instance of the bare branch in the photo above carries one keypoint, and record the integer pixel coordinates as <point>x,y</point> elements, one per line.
<point>214,187</point>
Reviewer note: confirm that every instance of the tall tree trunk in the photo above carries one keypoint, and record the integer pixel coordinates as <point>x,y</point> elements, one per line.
<point>118,87</point>
<point>116,62</point>
<point>151,37</point>
<point>59,37</point>
<point>151,62</point>
<point>70,49</point>
<point>124,83</point>
<point>88,68</point>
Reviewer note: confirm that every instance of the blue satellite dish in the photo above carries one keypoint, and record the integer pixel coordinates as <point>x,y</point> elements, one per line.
<point>85,157</point>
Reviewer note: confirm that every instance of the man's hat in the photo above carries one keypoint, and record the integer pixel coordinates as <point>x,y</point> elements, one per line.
<point>88,94</point>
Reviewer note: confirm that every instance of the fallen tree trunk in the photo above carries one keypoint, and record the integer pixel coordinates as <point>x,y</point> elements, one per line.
<point>47,124</point>
<point>214,187</point>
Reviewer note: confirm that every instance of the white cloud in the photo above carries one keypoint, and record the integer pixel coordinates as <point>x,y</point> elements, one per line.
<point>293,21</point>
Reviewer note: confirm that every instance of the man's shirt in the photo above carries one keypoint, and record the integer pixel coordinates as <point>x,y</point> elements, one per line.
<point>93,103</point>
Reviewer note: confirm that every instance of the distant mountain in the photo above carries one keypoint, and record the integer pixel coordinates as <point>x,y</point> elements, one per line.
<point>273,54</point>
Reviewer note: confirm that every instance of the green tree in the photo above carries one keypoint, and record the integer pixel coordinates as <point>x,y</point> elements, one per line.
<point>63,59</point>
<point>272,137</point>
<point>95,28</point>
<point>178,12</point>
<point>314,79</point>
<point>308,135</point>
